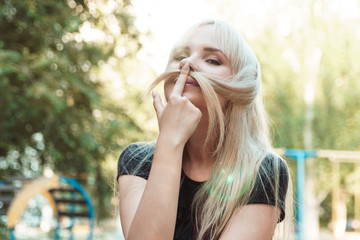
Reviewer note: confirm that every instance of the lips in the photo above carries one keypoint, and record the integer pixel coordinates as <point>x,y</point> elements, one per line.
<point>190,82</point>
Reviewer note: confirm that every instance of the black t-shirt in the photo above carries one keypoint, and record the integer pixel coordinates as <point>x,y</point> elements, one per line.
<point>136,160</point>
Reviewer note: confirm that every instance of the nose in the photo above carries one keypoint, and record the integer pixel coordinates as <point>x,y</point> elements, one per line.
<point>191,64</point>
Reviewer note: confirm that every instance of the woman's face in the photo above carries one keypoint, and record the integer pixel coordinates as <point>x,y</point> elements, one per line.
<point>204,55</point>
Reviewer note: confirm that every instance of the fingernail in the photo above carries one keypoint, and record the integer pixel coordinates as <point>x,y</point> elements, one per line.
<point>186,66</point>
<point>153,93</point>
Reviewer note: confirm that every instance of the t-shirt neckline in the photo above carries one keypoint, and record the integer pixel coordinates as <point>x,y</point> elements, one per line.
<point>187,178</point>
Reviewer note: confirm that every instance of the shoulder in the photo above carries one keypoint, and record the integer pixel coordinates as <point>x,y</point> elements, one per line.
<point>271,183</point>
<point>273,173</point>
<point>136,159</point>
<point>137,150</point>
<point>273,160</point>
<point>273,165</point>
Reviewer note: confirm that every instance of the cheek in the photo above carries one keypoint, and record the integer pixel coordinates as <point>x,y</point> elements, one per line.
<point>172,66</point>
<point>226,73</point>
<point>223,101</point>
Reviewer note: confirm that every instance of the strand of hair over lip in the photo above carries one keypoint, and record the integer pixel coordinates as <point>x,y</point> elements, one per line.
<point>242,90</point>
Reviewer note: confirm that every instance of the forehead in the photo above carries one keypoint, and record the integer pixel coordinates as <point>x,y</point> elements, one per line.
<point>203,35</point>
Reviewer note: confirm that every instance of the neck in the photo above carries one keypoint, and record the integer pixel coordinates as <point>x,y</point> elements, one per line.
<point>197,161</point>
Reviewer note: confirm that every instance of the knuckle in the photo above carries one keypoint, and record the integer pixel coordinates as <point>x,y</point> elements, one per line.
<point>183,100</point>
<point>198,112</point>
<point>172,98</point>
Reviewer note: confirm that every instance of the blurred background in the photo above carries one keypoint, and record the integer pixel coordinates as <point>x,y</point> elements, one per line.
<point>73,74</point>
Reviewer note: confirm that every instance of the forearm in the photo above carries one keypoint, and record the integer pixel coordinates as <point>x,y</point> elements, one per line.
<point>156,214</point>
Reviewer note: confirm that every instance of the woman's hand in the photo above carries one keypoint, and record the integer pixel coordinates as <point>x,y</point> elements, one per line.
<point>179,118</point>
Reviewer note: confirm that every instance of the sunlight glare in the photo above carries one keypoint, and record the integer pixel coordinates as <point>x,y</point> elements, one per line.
<point>91,34</point>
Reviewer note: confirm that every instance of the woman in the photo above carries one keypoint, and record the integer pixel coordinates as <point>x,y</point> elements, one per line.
<point>212,173</point>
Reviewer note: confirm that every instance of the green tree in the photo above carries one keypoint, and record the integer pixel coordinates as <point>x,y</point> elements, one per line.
<point>311,87</point>
<point>55,109</point>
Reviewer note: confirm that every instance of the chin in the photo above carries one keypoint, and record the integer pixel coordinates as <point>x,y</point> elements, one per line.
<point>196,99</point>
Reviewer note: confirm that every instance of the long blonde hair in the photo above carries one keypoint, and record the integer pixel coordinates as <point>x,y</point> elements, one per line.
<point>241,132</point>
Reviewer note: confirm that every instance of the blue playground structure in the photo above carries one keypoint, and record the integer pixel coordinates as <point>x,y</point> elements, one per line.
<point>66,196</point>
<point>300,156</point>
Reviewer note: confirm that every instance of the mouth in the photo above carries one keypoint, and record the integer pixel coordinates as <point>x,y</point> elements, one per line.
<point>190,82</point>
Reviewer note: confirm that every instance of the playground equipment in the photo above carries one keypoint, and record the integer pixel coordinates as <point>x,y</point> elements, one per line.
<point>62,191</point>
<point>65,195</point>
<point>336,157</point>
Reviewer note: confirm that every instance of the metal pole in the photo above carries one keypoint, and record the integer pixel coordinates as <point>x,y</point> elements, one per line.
<point>357,194</point>
<point>300,159</point>
<point>12,234</point>
<point>300,156</point>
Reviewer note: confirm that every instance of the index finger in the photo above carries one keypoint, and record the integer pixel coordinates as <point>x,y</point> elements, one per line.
<point>180,83</point>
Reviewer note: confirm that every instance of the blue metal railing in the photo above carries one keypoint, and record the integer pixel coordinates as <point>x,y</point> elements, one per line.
<point>300,155</point>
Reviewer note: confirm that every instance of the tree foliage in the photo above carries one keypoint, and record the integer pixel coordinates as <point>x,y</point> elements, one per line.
<point>287,63</point>
<point>55,110</point>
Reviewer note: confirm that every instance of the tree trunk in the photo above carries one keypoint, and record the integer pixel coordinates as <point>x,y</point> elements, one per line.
<point>311,216</point>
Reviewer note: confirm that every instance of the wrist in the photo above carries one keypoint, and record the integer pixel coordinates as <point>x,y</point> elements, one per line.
<point>167,156</point>
<point>171,141</point>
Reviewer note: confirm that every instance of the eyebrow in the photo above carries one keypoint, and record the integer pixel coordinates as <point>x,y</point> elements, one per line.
<point>210,49</point>
<point>206,49</point>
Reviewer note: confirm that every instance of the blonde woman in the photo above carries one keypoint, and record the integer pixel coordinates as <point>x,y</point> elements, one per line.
<point>212,173</point>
